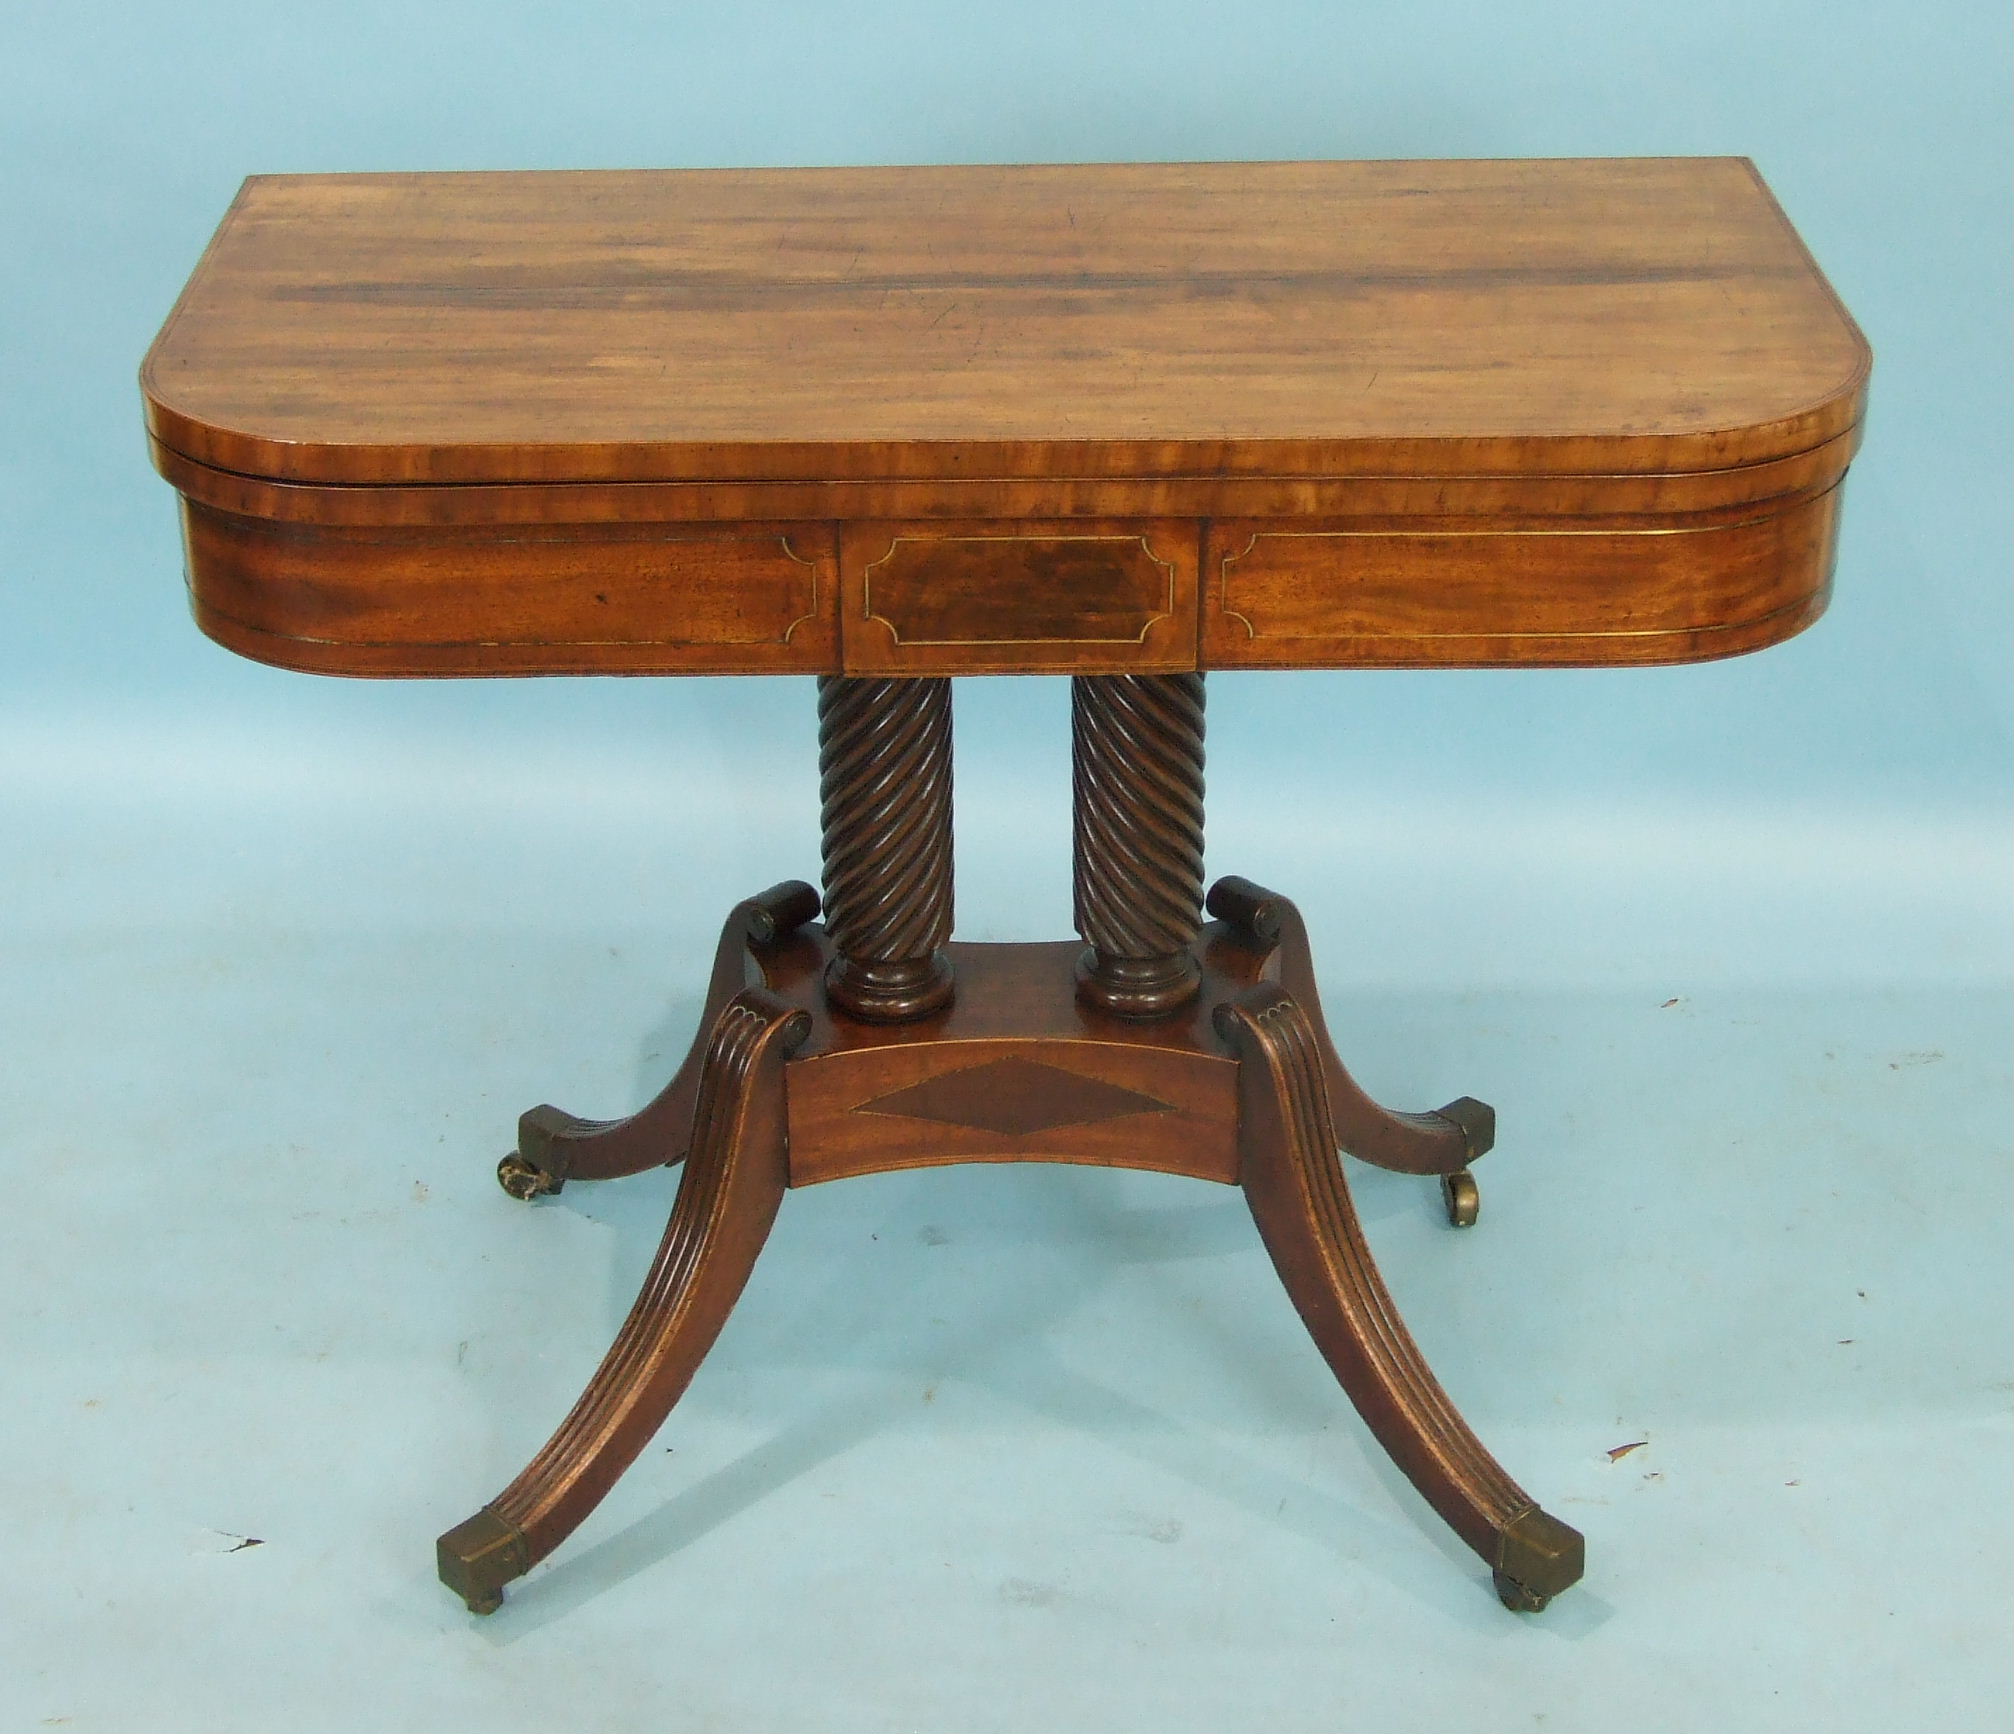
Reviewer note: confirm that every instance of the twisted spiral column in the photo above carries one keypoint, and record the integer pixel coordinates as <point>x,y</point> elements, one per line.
<point>884,768</point>
<point>1137,756</point>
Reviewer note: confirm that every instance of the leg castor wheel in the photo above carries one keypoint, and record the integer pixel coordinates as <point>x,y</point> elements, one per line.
<point>1460,1197</point>
<point>525,1180</point>
<point>479,1557</point>
<point>1537,1556</point>
<point>1519,1598</point>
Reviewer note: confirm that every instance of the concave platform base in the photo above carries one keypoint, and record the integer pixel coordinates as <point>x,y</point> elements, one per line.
<point>1242,1086</point>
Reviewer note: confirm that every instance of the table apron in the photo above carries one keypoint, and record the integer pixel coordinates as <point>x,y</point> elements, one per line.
<point>932,597</point>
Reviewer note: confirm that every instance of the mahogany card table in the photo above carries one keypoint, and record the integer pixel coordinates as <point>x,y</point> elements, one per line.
<point>1126,424</point>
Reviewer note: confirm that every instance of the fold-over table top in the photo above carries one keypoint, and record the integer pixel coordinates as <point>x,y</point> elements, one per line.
<point>1145,321</point>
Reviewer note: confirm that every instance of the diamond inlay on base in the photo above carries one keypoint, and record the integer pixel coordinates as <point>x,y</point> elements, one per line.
<point>1014,1098</point>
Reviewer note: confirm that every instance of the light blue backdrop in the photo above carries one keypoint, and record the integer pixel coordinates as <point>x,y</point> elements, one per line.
<point>223,883</point>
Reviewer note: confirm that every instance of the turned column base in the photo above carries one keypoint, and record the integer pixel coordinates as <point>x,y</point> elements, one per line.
<point>1140,988</point>
<point>890,993</point>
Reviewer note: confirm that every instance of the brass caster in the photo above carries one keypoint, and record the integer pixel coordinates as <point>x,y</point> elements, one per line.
<point>1537,1556</point>
<point>477,1558</point>
<point>526,1180</point>
<point>1461,1199</point>
<point>1519,1598</point>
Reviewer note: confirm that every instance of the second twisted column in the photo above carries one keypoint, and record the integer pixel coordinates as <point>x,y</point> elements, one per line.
<point>1137,758</point>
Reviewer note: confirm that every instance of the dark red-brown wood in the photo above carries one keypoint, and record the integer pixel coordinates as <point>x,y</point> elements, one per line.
<point>1294,1183</point>
<point>1136,757</point>
<point>1234,1085</point>
<point>884,775</point>
<point>1102,419</point>
<point>889,426</point>
<point>1447,318</point>
<point>734,1178</point>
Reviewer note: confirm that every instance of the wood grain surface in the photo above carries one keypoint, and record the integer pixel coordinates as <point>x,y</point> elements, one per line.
<point>1381,591</point>
<point>1015,1069</point>
<point>1018,595</point>
<point>503,599</point>
<point>1096,419</point>
<point>1564,317</point>
<point>1301,1203</point>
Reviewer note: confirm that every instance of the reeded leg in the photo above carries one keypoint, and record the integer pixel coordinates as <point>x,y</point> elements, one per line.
<point>727,1198</point>
<point>554,1146</point>
<point>1137,763</point>
<point>1444,1142</point>
<point>884,766</point>
<point>1294,1183</point>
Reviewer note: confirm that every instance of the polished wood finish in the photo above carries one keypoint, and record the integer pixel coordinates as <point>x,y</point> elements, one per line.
<point>1018,598</point>
<point>1565,317</point>
<point>1443,1142</point>
<point>1017,1003</point>
<point>889,426</point>
<point>554,1146</point>
<point>1233,1087</point>
<point>884,784</point>
<point>1012,499</point>
<point>1301,1202</point>
<point>560,599</point>
<point>1136,755</point>
<point>1424,414</point>
<point>1016,1069</point>
<point>1382,592</point>
<point>727,1198</point>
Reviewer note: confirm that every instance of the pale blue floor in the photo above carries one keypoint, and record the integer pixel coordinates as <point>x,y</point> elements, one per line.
<point>1017,1449</point>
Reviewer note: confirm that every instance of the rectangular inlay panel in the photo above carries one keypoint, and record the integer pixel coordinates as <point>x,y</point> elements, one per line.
<point>1012,1100</point>
<point>1360,595</point>
<point>420,601</point>
<point>962,598</point>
